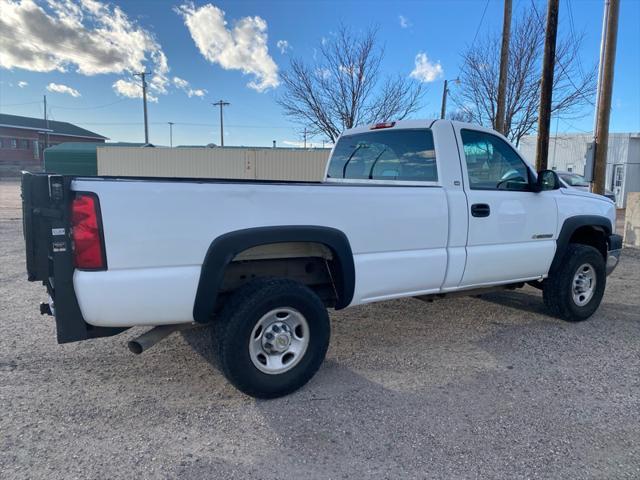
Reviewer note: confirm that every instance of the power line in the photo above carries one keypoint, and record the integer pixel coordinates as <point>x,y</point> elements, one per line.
<point>480,24</point>
<point>191,124</point>
<point>570,125</point>
<point>579,91</point>
<point>92,107</point>
<point>20,104</point>
<point>572,28</point>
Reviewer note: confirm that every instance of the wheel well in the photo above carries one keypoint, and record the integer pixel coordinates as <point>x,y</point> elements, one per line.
<point>592,236</point>
<point>309,263</point>
<point>252,249</point>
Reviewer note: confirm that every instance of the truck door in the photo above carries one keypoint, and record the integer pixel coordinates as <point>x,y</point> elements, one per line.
<point>512,230</point>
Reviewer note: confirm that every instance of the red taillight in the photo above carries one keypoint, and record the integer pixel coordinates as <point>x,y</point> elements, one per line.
<point>87,243</point>
<point>382,125</point>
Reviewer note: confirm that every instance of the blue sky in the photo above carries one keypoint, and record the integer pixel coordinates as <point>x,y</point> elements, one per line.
<point>154,34</point>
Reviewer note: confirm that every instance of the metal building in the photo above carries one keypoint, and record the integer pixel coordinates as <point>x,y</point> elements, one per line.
<point>567,152</point>
<point>217,162</point>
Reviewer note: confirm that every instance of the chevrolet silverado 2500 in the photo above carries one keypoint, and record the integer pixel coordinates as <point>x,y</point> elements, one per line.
<point>407,209</point>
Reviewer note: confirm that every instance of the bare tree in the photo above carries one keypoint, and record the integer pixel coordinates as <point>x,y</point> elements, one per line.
<point>459,116</point>
<point>343,87</point>
<point>477,96</point>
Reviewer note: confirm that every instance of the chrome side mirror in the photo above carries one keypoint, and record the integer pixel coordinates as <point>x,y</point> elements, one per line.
<point>547,180</point>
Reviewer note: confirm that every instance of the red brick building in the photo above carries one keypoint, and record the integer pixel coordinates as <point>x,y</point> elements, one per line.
<point>23,139</point>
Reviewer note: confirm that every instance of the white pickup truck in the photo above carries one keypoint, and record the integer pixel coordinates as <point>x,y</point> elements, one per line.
<point>407,209</point>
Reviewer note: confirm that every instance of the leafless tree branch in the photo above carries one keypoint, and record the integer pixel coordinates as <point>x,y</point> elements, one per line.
<point>344,88</point>
<point>476,96</point>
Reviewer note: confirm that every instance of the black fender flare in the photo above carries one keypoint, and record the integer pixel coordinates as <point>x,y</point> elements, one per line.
<point>572,224</point>
<point>225,247</point>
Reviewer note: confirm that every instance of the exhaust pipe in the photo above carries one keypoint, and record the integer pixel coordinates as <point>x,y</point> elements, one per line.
<point>150,338</point>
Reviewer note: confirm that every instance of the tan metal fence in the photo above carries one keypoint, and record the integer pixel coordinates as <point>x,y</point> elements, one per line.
<point>218,162</point>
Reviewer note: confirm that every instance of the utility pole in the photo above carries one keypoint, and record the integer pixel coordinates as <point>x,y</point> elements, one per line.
<point>221,103</point>
<point>443,109</point>
<point>605,89</point>
<point>170,134</point>
<point>305,137</point>
<point>46,124</point>
<point>504,66</point>
<point>546,85</point>
<point>445,92</point>
<point>143,75</point>
<point>605,18</point>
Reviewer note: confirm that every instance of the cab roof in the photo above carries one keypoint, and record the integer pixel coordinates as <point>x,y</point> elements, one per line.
<point>405,124</point>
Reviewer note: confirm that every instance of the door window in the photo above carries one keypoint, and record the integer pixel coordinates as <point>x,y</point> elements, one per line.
<point>492,164</point>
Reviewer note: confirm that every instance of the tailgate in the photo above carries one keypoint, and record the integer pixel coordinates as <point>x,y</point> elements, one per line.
<point>46,217</point>
<point>42,210</point>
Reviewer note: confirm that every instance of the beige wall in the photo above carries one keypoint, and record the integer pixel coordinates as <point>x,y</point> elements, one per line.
<point>632,220</point>
<point>218,162</point>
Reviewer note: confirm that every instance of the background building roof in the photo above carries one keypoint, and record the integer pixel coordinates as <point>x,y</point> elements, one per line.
<point>54,127</point>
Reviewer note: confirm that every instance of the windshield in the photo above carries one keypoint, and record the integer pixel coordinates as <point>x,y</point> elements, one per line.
<point>574,180</point>
<point>385,155</point>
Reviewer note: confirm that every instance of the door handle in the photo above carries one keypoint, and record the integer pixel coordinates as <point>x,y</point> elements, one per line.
<point>480,210</point>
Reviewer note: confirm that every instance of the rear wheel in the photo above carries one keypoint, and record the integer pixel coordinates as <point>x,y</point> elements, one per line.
<point>575,290</point>
<point>272,337</point>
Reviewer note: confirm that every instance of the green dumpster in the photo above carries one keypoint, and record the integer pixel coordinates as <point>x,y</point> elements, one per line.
<point>72,158</point>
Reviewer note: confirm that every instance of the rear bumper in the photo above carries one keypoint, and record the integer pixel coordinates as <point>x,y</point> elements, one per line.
<point>613,254</point>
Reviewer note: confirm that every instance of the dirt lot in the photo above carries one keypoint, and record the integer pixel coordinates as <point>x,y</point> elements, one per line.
<point>485,387</point>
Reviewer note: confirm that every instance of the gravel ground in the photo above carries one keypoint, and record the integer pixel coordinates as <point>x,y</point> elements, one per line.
<point>485,387</point>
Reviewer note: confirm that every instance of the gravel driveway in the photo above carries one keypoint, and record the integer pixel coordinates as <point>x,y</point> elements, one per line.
<point>485,387</point>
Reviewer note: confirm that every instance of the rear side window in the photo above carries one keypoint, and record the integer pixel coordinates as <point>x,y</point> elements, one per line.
<point>407,155</point>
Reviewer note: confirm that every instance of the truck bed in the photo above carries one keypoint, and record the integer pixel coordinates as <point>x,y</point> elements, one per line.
<point>157,232</point>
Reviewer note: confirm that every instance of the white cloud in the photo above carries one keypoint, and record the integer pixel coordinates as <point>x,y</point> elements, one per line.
<point>183,84</point>
<point>241,47</point>
<point>180,82</point>
<point>283,46</point>
<point>89,37</point>
<point>404,21</point>
<point>22,84</point>
<point>426,71</point>
<point>196,92</point>
<point>132,89</point>
<point>60,88</point>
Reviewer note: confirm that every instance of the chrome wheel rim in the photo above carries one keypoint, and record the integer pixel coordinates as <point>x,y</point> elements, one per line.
<point>584,284</point>
<point>279,340</point>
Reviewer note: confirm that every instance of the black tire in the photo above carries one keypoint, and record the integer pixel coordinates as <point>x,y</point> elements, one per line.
<point>558,287</point>
<point>236,322</point>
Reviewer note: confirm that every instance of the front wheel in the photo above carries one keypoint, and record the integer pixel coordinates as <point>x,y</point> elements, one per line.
<point>575,290</point>
<point>273,336</point>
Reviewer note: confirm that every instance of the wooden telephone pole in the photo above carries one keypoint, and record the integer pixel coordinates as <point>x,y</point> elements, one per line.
<point>504,66</point>
<point>221,103</point>
<point>546,85</point>
<point>605,89</point>
<point>143,77</point>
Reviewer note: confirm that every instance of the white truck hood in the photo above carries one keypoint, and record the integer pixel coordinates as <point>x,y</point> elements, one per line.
<point>581,193</point>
